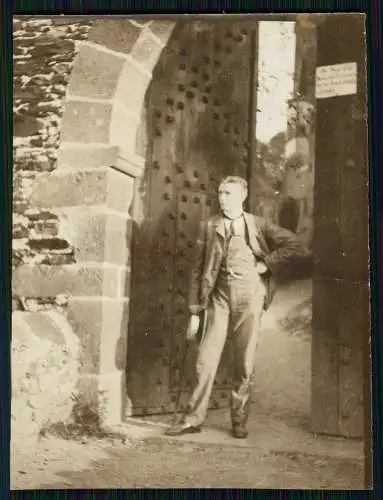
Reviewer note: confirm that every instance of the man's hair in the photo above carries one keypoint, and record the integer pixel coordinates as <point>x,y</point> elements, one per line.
<point>233,179</point>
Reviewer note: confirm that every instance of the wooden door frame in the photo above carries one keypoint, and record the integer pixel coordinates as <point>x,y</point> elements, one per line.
<point>252,113</point>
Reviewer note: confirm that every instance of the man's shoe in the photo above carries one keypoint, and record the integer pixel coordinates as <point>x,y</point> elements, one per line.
<point>239,432</point>
<point>180,429</point>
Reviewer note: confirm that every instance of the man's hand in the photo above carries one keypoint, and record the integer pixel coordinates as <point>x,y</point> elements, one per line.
<point>262,268</point>
<point>192,327</point>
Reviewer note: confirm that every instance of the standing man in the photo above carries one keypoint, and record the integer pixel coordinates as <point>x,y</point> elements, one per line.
<point>238,254</point>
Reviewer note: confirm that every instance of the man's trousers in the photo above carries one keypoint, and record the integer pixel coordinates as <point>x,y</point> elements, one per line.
<point>235,308</point>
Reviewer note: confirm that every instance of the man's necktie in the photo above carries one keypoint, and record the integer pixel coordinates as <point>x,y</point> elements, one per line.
<point>232,228</point>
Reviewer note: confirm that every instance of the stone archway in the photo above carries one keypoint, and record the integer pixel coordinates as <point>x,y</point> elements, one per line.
<point>92,190</point>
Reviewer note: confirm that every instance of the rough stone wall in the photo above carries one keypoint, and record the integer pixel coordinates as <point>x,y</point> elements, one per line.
<point>45,361</point>
<point>45,350</point>
<point>43,53</point>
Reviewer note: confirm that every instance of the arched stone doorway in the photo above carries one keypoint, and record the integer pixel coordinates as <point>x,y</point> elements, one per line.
<point>99,162</point>
<point>108,143</point>
<point>105,157</point>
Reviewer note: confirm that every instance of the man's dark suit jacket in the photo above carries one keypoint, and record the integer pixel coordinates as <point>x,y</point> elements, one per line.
<point>274,246</point>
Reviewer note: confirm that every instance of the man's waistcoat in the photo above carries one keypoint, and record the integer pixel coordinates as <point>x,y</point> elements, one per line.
<point>238,261</point>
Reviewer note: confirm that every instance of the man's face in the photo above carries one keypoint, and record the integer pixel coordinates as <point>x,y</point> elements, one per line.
<point>231,197</point>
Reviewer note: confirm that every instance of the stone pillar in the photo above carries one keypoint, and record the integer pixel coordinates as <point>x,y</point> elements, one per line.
<point>93,204</point>
<point>340,342</point>
<point>99,314</point>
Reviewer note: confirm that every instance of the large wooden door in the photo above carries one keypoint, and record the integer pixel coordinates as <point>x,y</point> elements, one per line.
<point>197,118</point>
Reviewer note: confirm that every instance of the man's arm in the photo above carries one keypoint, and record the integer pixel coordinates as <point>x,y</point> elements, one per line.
<point>285,248</point>
<point>195,307</point>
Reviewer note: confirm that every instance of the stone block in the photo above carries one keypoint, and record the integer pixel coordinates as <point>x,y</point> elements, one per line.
<point>118,35</point>
<point>62,325</point>
<point>44,372</point>
<point>21,330</point>
<point>104,396</point>
<point>118,239</point>
<point>19,206</point>
<point>120,191</point>
<point>146,50</point>
<point>78,280</point>
<point>162,29</point>
<point>43,281</point>
<point>123,127</point>
<point>131,88</point>
<point>113,345</point>
<point>44,328</point>
<point>19,231</point>
<point>23,422</point>
<point>66,189</point>
<point>92,156</point>
<point>86,318</point>
<point>45,228</point>
<point>96,280</point>
<point>25,126</point>
<point>142,138</point>
<point>95,73</point>
<point>86,122</point>
<point>102,326</point>
<point>99,235</point>
<point>88,227</point>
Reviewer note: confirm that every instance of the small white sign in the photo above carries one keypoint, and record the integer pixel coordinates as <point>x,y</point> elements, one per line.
<point>336,80</point>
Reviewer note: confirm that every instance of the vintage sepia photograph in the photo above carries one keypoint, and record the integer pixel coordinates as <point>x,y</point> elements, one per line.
<point>190,252</point>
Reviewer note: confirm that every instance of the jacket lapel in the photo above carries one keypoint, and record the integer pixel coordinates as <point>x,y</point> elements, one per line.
<point>252,228</point>
<point>216,240</point>
<point>219,226</point>
<point>255,237</point>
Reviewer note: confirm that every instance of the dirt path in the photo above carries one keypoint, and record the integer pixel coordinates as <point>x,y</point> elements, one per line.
<point>158,463</point>
<point>280,453</point>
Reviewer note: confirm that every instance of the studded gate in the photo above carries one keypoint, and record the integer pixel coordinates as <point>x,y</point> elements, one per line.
<point>197,124</point>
